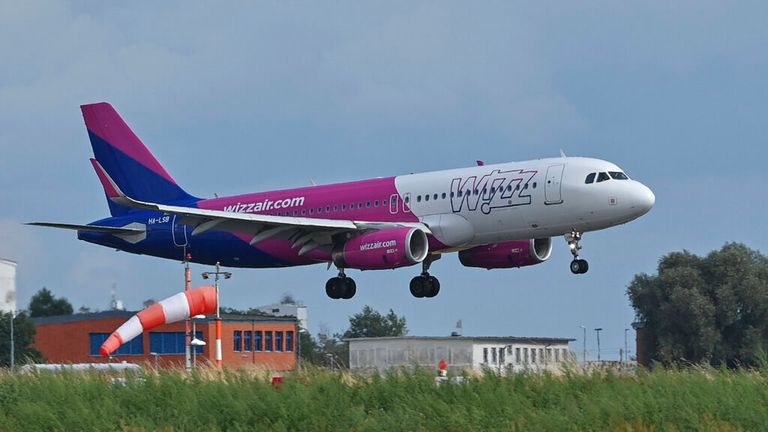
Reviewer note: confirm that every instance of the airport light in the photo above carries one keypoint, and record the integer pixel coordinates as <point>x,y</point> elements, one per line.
<point>216,275</point>
<point>597,331</point>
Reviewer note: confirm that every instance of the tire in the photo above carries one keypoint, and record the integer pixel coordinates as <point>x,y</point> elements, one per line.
<point>418,286</point>
<point>584,266</point>
<point>330,288</point>
<point>576,266</point>
<point>434,286</point>
<point>350,288</point>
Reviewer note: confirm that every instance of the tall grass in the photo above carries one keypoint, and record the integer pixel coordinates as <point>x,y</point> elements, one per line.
<point>694,399</point>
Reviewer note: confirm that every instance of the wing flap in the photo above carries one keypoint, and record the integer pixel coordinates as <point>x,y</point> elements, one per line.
<point>91,228</point>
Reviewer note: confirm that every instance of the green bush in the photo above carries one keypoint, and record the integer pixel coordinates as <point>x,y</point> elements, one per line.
<point>695,399</point>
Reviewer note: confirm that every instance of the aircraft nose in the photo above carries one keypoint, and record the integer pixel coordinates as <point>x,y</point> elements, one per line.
<point>643,198</point>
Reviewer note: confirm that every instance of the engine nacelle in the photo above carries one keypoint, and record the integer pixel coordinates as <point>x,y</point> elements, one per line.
<point>385,249</point>
<point>518,253</point>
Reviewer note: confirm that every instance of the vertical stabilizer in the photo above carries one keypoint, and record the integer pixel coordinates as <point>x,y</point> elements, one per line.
<point>127,161</point>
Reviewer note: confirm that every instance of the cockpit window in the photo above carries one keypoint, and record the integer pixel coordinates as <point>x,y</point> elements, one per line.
<point>602,177</point>
<point>618,175</point>
<point>590,178</point>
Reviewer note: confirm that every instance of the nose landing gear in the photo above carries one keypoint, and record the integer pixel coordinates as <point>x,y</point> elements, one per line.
<point>341,287</point>
<point>578,266</point>
<point>425,285</point>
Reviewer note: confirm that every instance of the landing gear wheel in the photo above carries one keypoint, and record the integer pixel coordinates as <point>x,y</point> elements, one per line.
<point>579,266</point>
<point>350,288</point>
<point>419,286</point>
<point>434,286</point>
<point>341,287</point>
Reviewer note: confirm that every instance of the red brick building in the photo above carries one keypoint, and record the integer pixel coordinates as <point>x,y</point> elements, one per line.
<point>247,340</point>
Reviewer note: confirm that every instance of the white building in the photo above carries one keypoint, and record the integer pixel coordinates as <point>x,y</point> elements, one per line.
<point>461,352</point>
<point>7,286</point>
<point>288,309</point>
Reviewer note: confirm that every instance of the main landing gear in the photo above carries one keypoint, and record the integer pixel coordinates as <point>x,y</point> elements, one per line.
<point>578,266</point>
<point>426,285</point>
<point>341,286</point>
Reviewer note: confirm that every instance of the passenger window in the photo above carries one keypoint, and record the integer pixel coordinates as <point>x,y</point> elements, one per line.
<point>459,194</point>
<point>526,186</point>
<point>407,199</point>
<point>303,212</point>
<point>602,177</point>
<point>443,195</point>
<point>477,192</point>
<point>426,197</point>
<point>618,175</point>
<point>509,187</point>
<point>343,207</point>
<point>327,209</point>
<point>335,207</point>
<point>360,205</point>
<point>418,198</point>
<point>311,211</point>
<point>590,178</point>
<point>368,204</point>
<point>452,195</point>
<point>376,203</point>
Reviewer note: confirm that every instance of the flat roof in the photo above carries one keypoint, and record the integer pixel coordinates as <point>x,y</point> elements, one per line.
<point>96,316</point>
<point>466,338</point>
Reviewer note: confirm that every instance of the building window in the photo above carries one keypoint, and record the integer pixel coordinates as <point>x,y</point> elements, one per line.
<point>565,355</point>
<point>525,355</point>
<point>278,341</point>
<point>549,354</point>
<point>493,355</point>
<point>289,341</point>
<point>517,355</point>
<point>171,342</point>
<point>247,338</point>
<point>501,355</point>
<point>238,340</point>
<point>267,341</point>
<point>257,346</point>
<point>557,356</point>
<point>485,355</point>
<point>533,355</point>
<point>134,347</point>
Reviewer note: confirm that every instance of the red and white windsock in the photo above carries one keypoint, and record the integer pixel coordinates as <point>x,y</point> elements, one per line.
<point>197,301</point>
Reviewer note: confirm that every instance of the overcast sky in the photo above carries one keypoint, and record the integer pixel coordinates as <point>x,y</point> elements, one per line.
<point>244,97</point>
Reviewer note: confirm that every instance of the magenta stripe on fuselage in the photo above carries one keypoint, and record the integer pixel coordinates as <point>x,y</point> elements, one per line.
<point>371,200</point>
<point>102,120</point>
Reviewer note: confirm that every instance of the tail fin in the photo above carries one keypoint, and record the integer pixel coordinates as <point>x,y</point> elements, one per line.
<point>129,163</point>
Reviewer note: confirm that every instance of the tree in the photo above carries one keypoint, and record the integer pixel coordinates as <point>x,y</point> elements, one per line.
<point>24,339</point>
<point>711,309</point>
<point>43,303</point>
<point>370,323</point>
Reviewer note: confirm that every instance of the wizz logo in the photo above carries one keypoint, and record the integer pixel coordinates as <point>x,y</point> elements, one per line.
<point>497,189</point>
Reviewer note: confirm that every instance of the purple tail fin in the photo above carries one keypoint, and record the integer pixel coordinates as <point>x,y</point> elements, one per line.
<point>127,160</point>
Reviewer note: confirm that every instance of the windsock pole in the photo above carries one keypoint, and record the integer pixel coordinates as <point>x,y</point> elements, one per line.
<point>188,337</point>
<point>219,358</point>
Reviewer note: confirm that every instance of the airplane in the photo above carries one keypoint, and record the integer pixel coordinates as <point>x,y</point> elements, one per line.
<point>495,216</point>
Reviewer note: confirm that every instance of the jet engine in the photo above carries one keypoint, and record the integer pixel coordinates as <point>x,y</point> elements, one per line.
<point>518,253</point>
<point>385,249</point>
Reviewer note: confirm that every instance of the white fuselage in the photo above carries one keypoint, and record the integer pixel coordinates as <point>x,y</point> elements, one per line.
<point>522,200</point>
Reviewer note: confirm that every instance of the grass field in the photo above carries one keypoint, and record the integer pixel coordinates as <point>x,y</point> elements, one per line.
<point>697,399</point>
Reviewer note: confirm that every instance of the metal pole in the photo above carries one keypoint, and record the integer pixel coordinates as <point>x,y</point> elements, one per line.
<point>219,360</point>
<point>194,350</point>
<point>13,343</point>
<point>626,353</point>
<point>598,330</point>
<point>584,346</point>
<point>188,338</point>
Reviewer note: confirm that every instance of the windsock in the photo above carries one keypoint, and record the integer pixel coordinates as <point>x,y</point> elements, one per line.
<point>181,306</point>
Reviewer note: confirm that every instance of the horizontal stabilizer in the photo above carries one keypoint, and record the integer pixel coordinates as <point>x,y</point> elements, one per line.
<point>92,228</point>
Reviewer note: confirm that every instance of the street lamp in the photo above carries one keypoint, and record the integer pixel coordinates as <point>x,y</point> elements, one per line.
<point>216,274</point>
<point>584,345</point>
<point>598,330</point>
<point>626,353</point>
